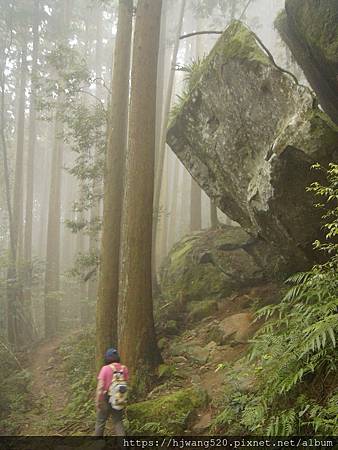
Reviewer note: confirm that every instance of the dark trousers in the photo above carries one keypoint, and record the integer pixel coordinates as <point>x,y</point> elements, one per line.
<point>103,415</point>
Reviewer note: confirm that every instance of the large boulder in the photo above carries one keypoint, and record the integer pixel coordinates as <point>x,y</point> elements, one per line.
<point>167,415</point>
<point>310,30</point>
<point>205,266</point>
<point>248,134</point>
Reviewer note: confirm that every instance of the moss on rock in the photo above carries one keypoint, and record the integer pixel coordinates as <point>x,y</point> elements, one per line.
<point>200,310</point>
<point>248,134</point>
<point>166,415</point>
<point>206,266</point>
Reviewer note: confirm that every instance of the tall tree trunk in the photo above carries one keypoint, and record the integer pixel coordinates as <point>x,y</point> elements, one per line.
<point>173,208</point>
<point>16,319</point>
<point>185,203</point>
<point>81,249</point>
<point>166,111</point>
<point>52,275</point>
<point>213,215</point>
<point>107,302</point>
<point>163,234</point>
<point>195,192</point>
<point>52,281</point>
<point>5,156</point>
<point>45,165</point>
<point>97,187</point>
<point>11,274</point>
<point>195,207</point>
<point>137,333</point>
<point>161,79</point>
<point>18,181</point>
<point>30,170</point>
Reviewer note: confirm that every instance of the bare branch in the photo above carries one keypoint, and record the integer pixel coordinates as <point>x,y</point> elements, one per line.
<point>103,83</point>
<point>196,33</point>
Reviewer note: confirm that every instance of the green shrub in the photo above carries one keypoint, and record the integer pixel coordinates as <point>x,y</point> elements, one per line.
<point>78,353</point>
<point>14,390</point>
<point>294,354</point>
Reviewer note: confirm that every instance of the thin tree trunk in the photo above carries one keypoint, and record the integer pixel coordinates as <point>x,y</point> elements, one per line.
<point>195,207</point>
<point>167,104</point>
<point>185,203</point>
<point>5,161</point>
<point>137,333</point>
<point>213,215</point>
<point>16,320</point>
<point>195,192</point>
<point>52,275</point>
<point>165,119</point>
<point>52,281</point>
<point>173,208</point>
<point>18,181</point>
<point>11,273</point>
<point>83,309</point>
<point>163,230</point>
<point>107,302</point>
<point>97,187</point>
<point>30,170</point>
<point>45,165</point>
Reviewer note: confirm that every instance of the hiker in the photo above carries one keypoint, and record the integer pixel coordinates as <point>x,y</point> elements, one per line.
<point>111,393</point>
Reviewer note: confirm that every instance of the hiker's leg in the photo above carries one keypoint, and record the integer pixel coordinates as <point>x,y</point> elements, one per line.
<point>101,418</point>
<point>117,417</point>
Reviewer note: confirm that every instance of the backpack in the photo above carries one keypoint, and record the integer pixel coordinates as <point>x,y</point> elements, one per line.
<point>118,389</point>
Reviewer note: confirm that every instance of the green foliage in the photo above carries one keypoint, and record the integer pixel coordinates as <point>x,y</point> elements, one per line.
<point>78,353</point>
<point>85,265</point>
<point>14,390</point>
<point>294,355</point>
<point>193,72</point>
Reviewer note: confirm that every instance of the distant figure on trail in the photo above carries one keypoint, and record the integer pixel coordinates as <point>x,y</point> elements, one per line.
<point>111,393</point>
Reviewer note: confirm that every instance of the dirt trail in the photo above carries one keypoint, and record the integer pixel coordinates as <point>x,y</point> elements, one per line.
<point>49,393</point>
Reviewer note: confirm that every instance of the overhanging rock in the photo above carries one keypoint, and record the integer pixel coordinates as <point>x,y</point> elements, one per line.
<point>310,29</point>
<point>248,134</point>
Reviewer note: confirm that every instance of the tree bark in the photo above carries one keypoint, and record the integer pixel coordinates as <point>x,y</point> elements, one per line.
<point>173,208</point>
<point>30,169</point>
<point>195,207</point>
<point>213,215</point>
<point>162,241</point>
<point>107,302</point>
<point>165,118</point>
<point>18,181</point>
<point>16,319</point>
<point>137,333</point>
<point>52,279</point>
<point>52,275</point>
<point>97,187</point>
<point>185,203</point>
<point>195,192</point>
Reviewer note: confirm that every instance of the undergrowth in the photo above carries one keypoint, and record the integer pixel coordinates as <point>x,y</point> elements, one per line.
<point>78,354</point>
<point>294,357</point>
<point>14,391</point>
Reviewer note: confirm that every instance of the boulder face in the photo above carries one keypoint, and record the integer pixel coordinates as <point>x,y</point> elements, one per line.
<point>309,28</point>
<point>206,266</point>
<point>248,134</point>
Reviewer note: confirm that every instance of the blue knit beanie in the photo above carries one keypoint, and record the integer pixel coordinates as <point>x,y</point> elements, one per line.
<point>111,355</point>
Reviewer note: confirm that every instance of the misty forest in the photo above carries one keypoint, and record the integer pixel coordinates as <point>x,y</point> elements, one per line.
<point>169,189</point>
